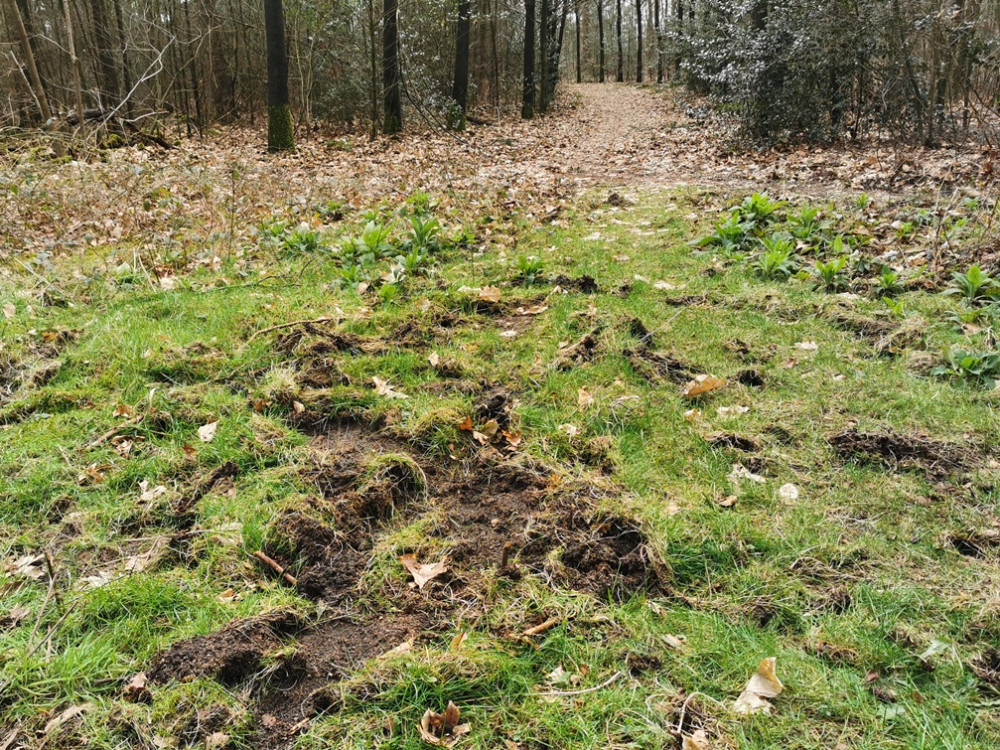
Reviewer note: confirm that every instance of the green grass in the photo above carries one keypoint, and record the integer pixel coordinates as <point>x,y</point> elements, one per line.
<point>847,585</point>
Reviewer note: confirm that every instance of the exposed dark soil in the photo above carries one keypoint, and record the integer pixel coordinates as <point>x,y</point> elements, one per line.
<point>232,655</point>
<point>495,518</point>
<point>987,669</point>
<point>897,451</point>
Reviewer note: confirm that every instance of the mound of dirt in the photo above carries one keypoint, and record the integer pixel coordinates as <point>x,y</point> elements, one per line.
<point>895,451</point>
<point>230,655</point>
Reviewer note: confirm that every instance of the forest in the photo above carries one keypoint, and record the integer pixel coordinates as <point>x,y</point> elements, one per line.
<point>477,374</point>
<point>920,70</point>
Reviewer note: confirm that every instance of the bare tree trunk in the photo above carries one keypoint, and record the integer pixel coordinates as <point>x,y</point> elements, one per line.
<point>460,84</point>
<point>75,62</point>
<point>600,40</point>
<point>391,83</point>
<point>528,74</point>
<point>280,134</point>
<point>659,41</point>
<point>109,88</point>
<point>579,66</point>
<point>638,49</point>
<point>621,55</point>
<point>38,91</point>
<point>543,50</point>
<point>126,68</point>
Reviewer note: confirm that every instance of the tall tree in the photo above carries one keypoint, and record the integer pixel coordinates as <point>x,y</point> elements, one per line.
<point>38,91</point>
<point>460,86</point>
<point>600,40</point>
<point>528,76</point>
<point>392,99</point>
<point>126,68</point>
<point>638,49</point>
<point>659,40</point>
<point>280,135</point>
<point>543,49</point>
<point>579,66</point>
<point>109,86</point>
<point>621,54</point>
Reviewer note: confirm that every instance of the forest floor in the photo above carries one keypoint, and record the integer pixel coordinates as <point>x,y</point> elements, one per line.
<point>556,421</point>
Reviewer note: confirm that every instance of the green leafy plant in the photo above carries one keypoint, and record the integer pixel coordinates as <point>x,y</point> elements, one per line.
<point>420,203</point>
<point>302,240</point>
<point>830,276</point>
<point>862,201</point>
<point>974,285</point>
<point>973,368</point>
<point>530,268</point>
<point>806,226</point>
<point>895,307</point>
<point>374,240</point>
<point>777,260</point>
<point>759,210</point>
<point>888,283</point>
<point>423,232</point>
<point>272,231</point>
<point>730,236</point>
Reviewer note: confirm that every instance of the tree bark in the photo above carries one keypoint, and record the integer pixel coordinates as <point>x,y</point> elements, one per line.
<point>280,135</point>
<point>579,66</point>
<point>392,100</point>
<point>600,40</point>
<point>543,50</point>
<point>659,40</point>
<point>74,61</point>
<point>126,68</point>
<point>621,55</point>
<point>528,74</point>
<point>109,88</point>
<point>460,86</point>
<point>638,49</point>
<point>29,56</point>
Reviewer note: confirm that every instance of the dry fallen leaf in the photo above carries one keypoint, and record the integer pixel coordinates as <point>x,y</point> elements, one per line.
<point>29,566</point>
<point>206,433</point>
<point>692,414</point>
<point>490,294</point>
<point>584,398</point>
<point>533,310</point>
<point>148,494</point>
<point>807,346</point>
<point>14,617</point>
<point>298,407</point>
<point>442,730</point>
<point>9,311</point>
<point>696,741</point>
<point>762,685</point>
<point>66,715</point>
<point>701,385</point>
<point>135,689</point>
<point>728,502</point>
<point>422,573</point>
<point>383,388</point>
<point>434,358</point>
<point>466,425</point>
<point>144,560</point>
<point>123,410</point>
<point>570,429</point>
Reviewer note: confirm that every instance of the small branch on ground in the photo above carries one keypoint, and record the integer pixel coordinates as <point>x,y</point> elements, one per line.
<point>276,567</point>
<point>262,331</point>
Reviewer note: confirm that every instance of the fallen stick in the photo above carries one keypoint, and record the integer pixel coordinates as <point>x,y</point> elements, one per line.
<point>276,567</point>
<point>541,628</point>
<point>262,331</point>
<point>594,689</point>
<point>114,431</point>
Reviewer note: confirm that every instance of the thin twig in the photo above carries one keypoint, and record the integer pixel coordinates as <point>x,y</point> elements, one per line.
<point>594,689</point>
<point>276,567</point>
<point>262,331</point>
<point>680,722</point>
<point>114,431</point>
<point>541,628</point>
